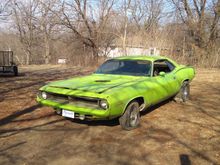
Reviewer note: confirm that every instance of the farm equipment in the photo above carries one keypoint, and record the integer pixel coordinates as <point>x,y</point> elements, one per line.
<point>7,64</point>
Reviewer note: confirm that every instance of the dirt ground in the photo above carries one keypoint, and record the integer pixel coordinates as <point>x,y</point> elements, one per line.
<point>170,133</point>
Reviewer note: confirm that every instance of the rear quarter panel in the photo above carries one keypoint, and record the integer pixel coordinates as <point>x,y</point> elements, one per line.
<point>184,73</point>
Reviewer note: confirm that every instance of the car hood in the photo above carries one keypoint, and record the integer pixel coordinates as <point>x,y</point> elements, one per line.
<point>97,83</point>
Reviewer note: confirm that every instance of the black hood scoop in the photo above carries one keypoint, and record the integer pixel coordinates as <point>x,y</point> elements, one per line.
<point>102,80</point>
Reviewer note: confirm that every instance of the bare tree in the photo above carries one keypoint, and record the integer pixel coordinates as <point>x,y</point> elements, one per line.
<point>47,21</point>
<point>4,13</point>
<point>146,12</point>
<point>83,29</point>
<point>200,22</point>
<point>80,16</point>
<point>125,6</point>
<point>24,16</point>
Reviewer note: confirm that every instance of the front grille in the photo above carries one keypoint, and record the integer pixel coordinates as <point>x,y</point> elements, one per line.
<point>57,97</point>
<point>73,100</point>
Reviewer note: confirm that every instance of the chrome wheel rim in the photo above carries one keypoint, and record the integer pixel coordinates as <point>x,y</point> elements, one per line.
<point>185,92</point>
<point>133,116</point>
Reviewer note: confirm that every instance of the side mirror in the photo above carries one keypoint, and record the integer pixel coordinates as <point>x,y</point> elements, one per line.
<point>162,74</point>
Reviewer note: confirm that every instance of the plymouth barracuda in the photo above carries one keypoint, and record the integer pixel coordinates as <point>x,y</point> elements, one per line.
<point>120,88</point>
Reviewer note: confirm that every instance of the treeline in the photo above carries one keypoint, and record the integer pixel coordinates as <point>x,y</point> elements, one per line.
<point>42,31</point>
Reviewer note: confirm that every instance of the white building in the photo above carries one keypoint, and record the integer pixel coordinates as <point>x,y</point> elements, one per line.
<point>115,51</point>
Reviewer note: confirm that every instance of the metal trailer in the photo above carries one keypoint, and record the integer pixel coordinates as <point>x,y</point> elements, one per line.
<point>7,64</point>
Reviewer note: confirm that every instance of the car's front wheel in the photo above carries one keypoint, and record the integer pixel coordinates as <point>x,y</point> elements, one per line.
<point>131,117</point>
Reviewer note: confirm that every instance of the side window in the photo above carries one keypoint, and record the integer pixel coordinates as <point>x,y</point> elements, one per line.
<point>162,66</point>
<point>170,65</point>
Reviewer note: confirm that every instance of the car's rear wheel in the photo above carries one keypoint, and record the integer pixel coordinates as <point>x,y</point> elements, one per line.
<point>131,117</point>
<point>184,92</point>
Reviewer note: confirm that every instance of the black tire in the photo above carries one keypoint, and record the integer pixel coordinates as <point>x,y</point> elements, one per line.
<point>131,117</point>
<point>184,93</point>
<point>15,70</point>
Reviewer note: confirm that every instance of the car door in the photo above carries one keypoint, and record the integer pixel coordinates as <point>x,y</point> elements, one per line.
<point>171,76</point>
<point>165,85</point>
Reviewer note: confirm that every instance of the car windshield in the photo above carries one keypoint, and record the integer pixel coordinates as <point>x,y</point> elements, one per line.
<point>126,67</point>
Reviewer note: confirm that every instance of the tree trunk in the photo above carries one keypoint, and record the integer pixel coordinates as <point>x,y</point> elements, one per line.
<point>95,55</point>
<point>47,50</point>
<point>28,53</point>
<point>27,57</point>
<point>125,31</point>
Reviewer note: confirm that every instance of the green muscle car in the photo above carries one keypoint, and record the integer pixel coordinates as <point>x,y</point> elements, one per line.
<point>121,87</point>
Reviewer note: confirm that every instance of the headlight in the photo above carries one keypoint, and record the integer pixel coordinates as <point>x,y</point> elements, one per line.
<point>103,104</point>
<point>44,95</point>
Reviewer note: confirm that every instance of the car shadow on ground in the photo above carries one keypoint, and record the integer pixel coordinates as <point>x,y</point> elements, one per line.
<point>110,123</point>
<point>156,106</point>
